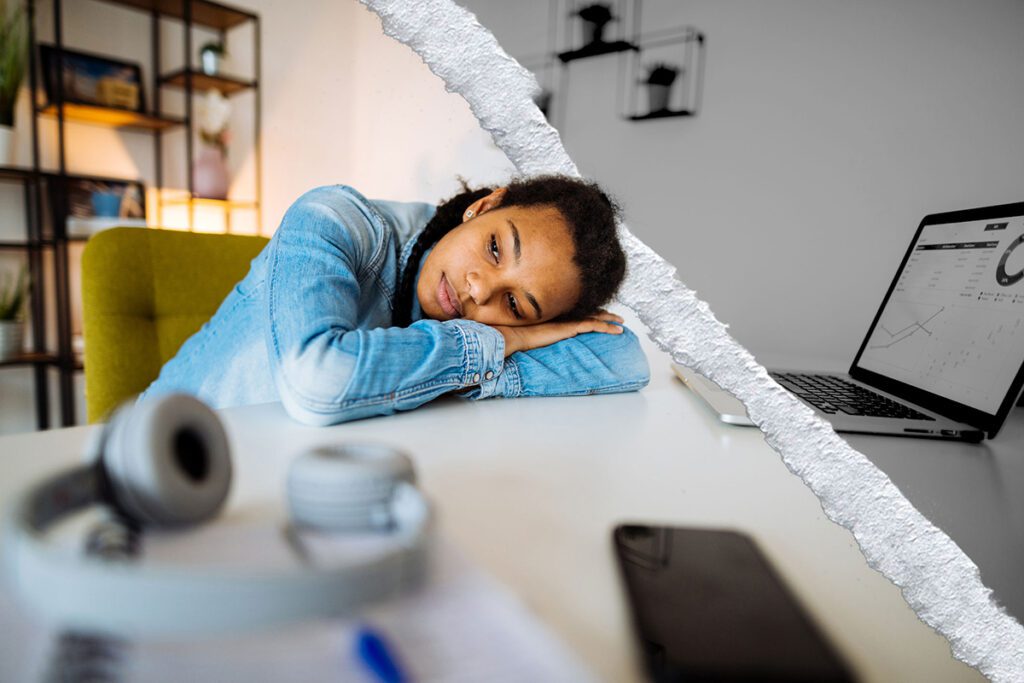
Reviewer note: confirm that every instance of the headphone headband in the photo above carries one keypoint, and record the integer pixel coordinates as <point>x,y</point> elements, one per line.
<point>125,599</point>
<point>166,462</point>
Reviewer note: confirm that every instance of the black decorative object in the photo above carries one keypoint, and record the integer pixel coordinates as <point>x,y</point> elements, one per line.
<point>594,19</point>
<point>660,77</point>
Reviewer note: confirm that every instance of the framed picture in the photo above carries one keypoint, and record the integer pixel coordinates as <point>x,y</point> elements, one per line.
<point>92,79</point>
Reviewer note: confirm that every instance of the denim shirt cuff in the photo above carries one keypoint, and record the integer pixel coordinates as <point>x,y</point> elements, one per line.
<point>485,353</point>
<point>510,384</point>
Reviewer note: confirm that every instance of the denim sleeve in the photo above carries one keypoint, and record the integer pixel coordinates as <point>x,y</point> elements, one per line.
<point>592,363</point>
<point>328,371</point>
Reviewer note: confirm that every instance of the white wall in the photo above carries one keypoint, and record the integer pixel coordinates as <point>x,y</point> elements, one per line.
<point>828,130</point>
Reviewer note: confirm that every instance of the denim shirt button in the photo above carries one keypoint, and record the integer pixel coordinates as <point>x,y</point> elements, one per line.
<point>476,378</point>
<point>489,375</point>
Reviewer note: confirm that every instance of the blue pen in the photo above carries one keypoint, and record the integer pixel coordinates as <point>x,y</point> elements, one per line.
<point>379,657</point>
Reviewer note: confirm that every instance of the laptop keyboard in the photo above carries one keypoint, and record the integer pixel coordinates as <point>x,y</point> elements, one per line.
<point>832,395</point>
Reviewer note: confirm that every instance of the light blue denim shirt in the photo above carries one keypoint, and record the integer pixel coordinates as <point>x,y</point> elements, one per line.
<point>310,326</point>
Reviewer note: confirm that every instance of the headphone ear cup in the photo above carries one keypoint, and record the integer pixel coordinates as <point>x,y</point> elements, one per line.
<point>347,487</point>
<point>167,461</point>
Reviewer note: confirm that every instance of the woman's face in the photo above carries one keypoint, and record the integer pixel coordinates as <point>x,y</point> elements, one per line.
<point>501,266</point>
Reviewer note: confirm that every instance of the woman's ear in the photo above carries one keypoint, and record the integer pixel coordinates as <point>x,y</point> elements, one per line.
<point>485,204</point>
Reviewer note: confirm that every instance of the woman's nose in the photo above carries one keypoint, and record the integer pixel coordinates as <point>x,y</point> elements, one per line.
<point>479,288</point>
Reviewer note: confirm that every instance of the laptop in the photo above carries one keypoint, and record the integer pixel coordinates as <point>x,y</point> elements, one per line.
<point>944,356</point>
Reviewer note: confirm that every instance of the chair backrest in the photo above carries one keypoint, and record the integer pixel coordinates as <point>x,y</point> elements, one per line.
<point>144,292</point>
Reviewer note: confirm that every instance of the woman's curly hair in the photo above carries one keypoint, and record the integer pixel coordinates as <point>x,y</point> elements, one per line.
<point>589,213</point>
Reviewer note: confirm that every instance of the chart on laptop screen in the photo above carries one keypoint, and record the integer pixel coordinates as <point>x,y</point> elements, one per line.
<point>954,324</point>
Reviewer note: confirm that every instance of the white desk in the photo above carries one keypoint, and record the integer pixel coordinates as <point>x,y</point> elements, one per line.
<point>530,489</point>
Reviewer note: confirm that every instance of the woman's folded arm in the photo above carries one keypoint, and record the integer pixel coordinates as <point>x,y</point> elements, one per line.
<point>326,369</point>
<point>592,363</point>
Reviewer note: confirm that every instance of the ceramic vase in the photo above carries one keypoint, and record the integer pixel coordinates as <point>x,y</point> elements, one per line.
<point>210,174</point>
<point>12,339</point>
<point>210,62</point>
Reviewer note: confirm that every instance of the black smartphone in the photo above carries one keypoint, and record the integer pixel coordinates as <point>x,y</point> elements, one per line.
<point>708,606</point>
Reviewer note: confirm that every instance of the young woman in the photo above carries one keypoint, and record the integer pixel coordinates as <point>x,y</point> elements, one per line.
<point>358,308</point>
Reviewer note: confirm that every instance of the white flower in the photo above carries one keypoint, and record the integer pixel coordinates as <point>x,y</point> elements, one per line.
<point>214,112</point>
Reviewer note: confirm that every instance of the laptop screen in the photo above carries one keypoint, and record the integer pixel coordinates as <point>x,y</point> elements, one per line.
<point>953,324</point>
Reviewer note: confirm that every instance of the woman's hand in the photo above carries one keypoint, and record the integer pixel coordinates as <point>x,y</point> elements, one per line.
<point>526,337</point>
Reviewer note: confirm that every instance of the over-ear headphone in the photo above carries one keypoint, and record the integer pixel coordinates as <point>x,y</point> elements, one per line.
<point>165,462</point>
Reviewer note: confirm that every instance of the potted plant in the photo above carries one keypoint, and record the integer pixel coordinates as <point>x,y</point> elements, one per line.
<point>12,299</point>
<point>12,72</point>
<point>595,17</point>
<point>660,77</point>
<point>210,171</point>
<point>210,55</point>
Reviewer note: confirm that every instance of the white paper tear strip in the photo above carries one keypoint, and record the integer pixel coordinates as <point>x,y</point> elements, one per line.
<point>937,579</point>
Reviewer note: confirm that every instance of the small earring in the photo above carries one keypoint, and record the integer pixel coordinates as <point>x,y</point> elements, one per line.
<point>469,214</point>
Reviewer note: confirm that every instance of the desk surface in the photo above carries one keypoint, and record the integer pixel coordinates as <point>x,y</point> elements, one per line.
<point>529,489</point>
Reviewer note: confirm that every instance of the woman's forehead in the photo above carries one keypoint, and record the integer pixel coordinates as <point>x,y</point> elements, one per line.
<point>543,223</point>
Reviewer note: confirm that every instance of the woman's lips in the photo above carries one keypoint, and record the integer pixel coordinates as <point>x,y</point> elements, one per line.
<point>447,298</point>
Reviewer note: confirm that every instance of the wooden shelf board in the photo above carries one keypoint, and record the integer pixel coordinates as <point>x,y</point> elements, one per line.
<point>228,85</point>
<point>15,172</point>
<point>665,114</point>
<point>29,359</point>
<point>226,204</point>
<point>595,49</point>
<point>109,116</point>
<point>204,13</point>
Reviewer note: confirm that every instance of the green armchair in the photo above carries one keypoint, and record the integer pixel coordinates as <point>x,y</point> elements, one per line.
<point>144,292</point>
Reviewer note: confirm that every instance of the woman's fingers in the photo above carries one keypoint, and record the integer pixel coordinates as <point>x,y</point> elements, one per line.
<point>607,316</point>
<point>526,337</point>
<point>597,325</point>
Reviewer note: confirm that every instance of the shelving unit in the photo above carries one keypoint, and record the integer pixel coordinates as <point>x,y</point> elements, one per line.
<point>47,210</point>
<point>38,359</point>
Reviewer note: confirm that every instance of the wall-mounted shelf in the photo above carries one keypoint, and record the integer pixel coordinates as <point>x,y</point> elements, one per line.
<point>203,13</point>
<point>227,85</point>
<point>596,49</point>
<point>681,49</point>
<point>15,173</point>
<point>663,114</point>
<point>111,116</point>
<point>226,204</point>
<point>30,359</point>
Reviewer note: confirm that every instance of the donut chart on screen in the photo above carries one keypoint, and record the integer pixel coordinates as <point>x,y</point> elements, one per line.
<point>1004,278</point>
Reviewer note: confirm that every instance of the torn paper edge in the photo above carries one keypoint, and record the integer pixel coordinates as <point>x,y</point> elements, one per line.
<point>937,579</point>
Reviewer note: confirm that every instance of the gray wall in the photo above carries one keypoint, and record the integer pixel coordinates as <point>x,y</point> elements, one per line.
<point>828,130</point>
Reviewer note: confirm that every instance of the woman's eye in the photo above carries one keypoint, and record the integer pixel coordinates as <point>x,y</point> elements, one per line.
<point>514,307</point>
<point>495,252</point>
